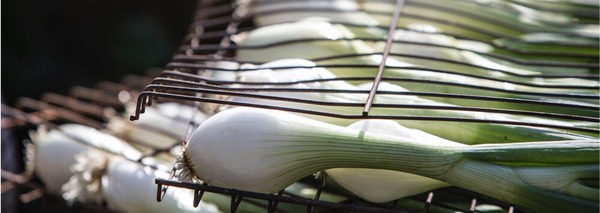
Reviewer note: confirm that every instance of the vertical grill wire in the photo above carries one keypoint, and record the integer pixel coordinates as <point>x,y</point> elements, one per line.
<point>386,52</point>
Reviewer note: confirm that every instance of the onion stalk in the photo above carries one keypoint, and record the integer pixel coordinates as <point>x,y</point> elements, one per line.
<point>494,18</point>
<point>125,185</point>
<point>381,186</point>
<point>333,44</point>
<point>520,19</point>
<point>460,132</point>
<point>163,126</point>
<point>270,12</point>
<point>454,50</point>
<point>128,188</point>
<point>55,151</point>
<point>267,150</point>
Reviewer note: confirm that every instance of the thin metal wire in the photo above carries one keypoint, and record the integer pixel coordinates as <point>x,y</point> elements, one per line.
<point>428,202</point>
<point>385,54</point>
<point>491,55</point>
<point>192,62</point>
<point>281,199</point>
<point>34,191</point>
<point>99,97</point>
<point>187,65</point>
<point>514,50</point>
<point>73,104</point>
<point>473,205</point>
<point>33,119</point>
<point>519,61</point>
<point>236,91</point>
<point>272,204</point>
<point>47,112</point>
<point>146,94</point>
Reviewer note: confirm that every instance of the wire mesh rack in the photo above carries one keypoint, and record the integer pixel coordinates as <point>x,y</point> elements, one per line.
<point>208,70</point>
<point>82,105</point>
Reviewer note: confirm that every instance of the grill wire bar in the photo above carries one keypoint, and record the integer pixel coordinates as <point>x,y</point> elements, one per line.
<point>161,83</point>
<point>83,106</point>
<point>239,194</point>
<point>386,53</point>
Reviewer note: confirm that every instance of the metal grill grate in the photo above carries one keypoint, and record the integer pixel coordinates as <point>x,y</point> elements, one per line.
<point>211,48</point>
<point>86,106</point>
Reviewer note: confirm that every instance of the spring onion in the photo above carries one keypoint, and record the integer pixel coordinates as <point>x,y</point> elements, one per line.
<point>515,19</point>
<point>125,186</point>
<point>263,12</point>
<point>267,150</point>
<point>472,52</point>
<point>276,12</point>
<point>460,132</point>
<point>124,176</point>
<point>163,126</point>
<point>381,186</point>
<point>333,44</point>
<point>494,18</point>
<point>55,151</point>
<point>309,28</point>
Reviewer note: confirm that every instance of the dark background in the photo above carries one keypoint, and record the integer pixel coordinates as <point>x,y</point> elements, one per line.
<point>53,45</point>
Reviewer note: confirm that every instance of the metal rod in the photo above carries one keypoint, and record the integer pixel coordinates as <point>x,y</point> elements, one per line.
<point>237,194</point>
<point>347,116</point>
<point>254,93</point>
<point>175,65</point>
<point>96,96</point>
<point>46,112</point>
<point>179,63</point>
<point>73,104</point>
<point>428,202</point>
<point>386,52</point>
